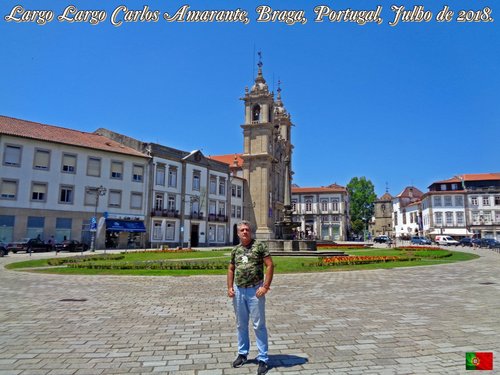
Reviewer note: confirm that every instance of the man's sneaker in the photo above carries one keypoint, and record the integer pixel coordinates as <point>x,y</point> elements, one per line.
<point>240,360</point>
<point>263,368</point>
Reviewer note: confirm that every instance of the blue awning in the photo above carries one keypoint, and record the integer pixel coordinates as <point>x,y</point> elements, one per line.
<point>114,225</point>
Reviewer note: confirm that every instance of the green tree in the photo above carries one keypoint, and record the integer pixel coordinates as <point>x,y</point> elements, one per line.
<point>362,196</point>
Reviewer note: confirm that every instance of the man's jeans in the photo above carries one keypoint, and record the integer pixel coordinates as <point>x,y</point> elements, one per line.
<point>247,306</point>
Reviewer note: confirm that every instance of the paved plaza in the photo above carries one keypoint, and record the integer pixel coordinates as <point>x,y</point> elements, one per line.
<point>418,320</point>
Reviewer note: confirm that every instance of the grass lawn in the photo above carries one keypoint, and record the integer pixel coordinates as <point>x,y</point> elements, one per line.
<point>220,258</point>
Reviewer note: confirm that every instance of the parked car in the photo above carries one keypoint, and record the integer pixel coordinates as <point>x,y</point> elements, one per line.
<point>29,245</point>
<point>445,240</point>
<point>420,241</point>
<point>467,241</point>
<point>489,243</point>
<point>71,245</point>
<point>382,239</point>
<point>3,249</point>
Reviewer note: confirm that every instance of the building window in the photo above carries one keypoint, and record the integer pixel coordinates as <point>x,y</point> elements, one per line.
<point>443,187</point>
<point>171,203</point>
<point>454,186</point>
<point>487,217</point>
<point>12,156</point>
<point>211,233</point>
<point>475,217</point>
<point>486,201</point>
<point>68,163</point>
<point>324,205</point>
<point>449,218</point>
<point>159,202</point>
<point>335,204</point>
<point>395,218</point>
<point>160,174</point>
<point>308,204</point>
<point>66,194</point>
<point>473,201</point>
<point>222,186</point>
<point>459,201</point>
<point>93,167</point>
<point>157,234</point>
<point>115,198</point>
<point>35,226</point>
<point>63,228</point>
<point>213,185</point>
<point>196,180</point>
<point>170,233</point>
<point>238,191</point>
<point>238,212</point>
<point>222,208</point>
<point>233,190</point>
<point>448,201</point>
<point>335,218</point>
<point>437,201</point>
<point>294,204</point>
<point>8,189</point>
<point>220,233</point>
<point>137,173</point>
<point>39,192</point>
<point>233,210</point>
<point>117,170</point>
<point>497,217</point>
<point>460,218</point>
<point>172,176</point>
<point>41,160</point>
<point>403,214</point>
<point>212,207</point>
<point>439,218</point>
<point>497,200</point>
<point>136,201</point>
<point>7,228</point>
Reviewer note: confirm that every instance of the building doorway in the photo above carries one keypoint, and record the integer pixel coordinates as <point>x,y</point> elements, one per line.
<point>236,239</point>
<point>195,238</point>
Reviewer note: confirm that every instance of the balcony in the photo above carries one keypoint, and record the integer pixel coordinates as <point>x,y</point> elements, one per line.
<point>165,213</point>
<point>196,216</point>
<point>220,218</point>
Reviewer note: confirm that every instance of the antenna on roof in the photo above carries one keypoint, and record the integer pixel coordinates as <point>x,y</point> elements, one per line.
<point>253,63</point>
<point>386,187</point>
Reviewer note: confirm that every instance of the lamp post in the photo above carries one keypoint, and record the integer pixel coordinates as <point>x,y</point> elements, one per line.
<point>99,191</point>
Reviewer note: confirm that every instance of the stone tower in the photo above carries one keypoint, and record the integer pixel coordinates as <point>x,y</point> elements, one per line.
<point>267,157</point>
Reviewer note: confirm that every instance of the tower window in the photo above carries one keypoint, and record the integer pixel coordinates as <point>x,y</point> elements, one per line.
<point>256,114</point>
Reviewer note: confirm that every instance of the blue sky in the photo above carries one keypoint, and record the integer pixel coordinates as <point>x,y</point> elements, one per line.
<point>403,105</point>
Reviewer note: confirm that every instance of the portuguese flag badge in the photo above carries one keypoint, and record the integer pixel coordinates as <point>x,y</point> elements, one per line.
<point>479,361</point>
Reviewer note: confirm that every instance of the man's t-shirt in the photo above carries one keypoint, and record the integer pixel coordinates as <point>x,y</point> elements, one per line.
<point>249,263</point>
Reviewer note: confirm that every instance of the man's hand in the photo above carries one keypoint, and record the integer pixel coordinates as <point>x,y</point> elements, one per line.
<point>230,292</point>
<point>261,291</point>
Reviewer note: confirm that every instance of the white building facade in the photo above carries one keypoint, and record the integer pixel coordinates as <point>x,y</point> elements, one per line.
<point>323,212</point>
<point>50,177</point>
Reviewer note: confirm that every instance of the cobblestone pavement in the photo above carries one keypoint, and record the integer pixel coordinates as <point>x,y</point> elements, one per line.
<point>417,320</point>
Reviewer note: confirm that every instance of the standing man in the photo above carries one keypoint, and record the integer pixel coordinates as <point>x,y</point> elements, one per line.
<point>247,286</point>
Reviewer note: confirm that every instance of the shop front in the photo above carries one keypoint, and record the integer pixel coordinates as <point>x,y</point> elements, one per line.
<point>124,234</point>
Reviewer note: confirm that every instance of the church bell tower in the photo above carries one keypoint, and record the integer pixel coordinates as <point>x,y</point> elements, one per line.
<point>266,157</point>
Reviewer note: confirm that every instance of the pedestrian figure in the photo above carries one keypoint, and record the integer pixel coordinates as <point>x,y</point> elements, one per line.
<point>247,286</point>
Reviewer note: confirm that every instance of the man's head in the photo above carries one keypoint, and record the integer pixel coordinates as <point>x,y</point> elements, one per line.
<point>244,232</point>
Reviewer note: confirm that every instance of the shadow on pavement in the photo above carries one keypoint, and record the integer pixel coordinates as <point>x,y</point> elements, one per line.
<point>286,360</point>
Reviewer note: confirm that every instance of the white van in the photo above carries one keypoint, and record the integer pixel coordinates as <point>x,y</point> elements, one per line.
<point>445,240</point>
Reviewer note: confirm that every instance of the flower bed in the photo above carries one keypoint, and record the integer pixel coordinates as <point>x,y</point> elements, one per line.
<point>83,259</point>
<point>362,259</point>
<point>418,248</point>
<point>151,265</point>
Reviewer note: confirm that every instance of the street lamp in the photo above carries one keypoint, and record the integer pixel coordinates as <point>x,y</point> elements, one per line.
<point>99,191</point>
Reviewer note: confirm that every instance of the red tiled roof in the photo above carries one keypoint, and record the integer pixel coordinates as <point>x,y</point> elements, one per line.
<point>56,134</point>
<point>333,188</point>
<point>415,193</point>
<point>385,197</point>
<point>229,159</point>
<point>471,177</point>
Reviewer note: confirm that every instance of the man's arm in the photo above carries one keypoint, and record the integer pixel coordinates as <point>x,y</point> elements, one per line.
<point>268,279</point>
<point>230,280</point>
